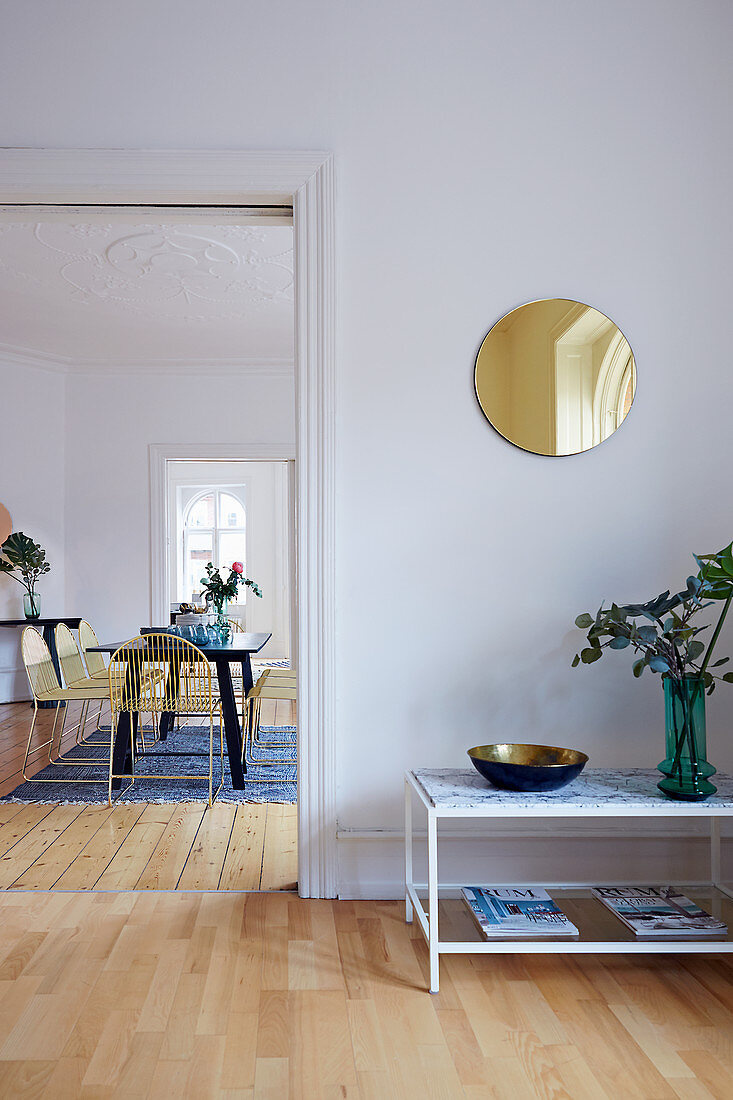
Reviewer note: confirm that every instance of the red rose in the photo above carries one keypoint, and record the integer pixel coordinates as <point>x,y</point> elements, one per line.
<point>237,567</point>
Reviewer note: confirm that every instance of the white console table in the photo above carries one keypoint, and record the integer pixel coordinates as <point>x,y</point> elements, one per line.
<point>596,793</point>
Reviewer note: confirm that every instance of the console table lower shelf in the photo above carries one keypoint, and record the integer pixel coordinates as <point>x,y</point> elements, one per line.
<point>458,793</point>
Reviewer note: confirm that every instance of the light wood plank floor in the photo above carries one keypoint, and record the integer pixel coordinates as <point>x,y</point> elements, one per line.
<point>268,997</point>
<point>142,846</point>
<point>139,846</point>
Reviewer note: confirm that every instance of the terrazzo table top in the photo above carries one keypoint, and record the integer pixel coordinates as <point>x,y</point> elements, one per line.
<point>597,791</point>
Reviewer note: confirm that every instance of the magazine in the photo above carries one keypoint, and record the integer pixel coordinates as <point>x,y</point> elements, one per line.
<point>659,911</point>
<point>516,911</point>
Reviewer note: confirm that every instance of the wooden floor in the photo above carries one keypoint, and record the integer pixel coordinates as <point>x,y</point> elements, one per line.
<point>268,997</point>
<point>141,846</point>
<point>138,846</point>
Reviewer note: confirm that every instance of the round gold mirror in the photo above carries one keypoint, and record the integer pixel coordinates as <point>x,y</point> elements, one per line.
<point>555,377</point>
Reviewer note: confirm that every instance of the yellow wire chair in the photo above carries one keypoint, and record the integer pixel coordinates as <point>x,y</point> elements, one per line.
<point>275,678</point>
<point>96,666</point>
<point>161,674</point>
<point>45,687</point>
<point>235,625</point>
<point>75,674</point>
<point>267,687</point>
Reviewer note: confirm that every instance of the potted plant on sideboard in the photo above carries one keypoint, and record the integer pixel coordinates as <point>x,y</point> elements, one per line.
<point>21,555</point>
<point>663,633</point>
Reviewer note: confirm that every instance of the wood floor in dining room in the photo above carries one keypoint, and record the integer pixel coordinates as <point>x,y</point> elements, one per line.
<point>139,846</point>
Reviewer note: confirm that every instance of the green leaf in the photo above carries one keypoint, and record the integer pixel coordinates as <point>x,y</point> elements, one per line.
<point>722,661</point>
<point>658,664</point>
<point>588,656</point>
<point>618,643</point>
<point>576,661</point>
<point>638,667</point>
<point>728,677</point>
<point>695,649</point>
<point>584,621</point>
<point>726,559</point>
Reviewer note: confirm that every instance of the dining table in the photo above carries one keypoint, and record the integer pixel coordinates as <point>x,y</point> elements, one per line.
<point>237,650</point>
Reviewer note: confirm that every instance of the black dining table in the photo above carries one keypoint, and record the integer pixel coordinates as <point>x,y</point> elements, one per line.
<point>237,650</point>
<point>48,624</point>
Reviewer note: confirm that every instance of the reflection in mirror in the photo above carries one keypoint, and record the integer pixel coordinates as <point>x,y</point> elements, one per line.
<point>555,377</point>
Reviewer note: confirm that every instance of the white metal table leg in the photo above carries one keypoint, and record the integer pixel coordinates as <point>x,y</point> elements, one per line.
<point>408,852</point>
<point>715,850</point>
<point>433,899</point>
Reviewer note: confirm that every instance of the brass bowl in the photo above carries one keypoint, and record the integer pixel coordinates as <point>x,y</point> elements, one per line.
<point>527,767</point>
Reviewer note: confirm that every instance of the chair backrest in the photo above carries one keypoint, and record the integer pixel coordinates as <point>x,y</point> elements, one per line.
<point>87,638</point>
<point>273,687</point>
<point>157,673</point>
<point>72,665</point>
<point>38,664</point>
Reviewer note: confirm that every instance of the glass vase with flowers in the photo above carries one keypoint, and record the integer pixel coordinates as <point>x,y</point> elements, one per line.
<point>663,634</point>
<point>218,591</point>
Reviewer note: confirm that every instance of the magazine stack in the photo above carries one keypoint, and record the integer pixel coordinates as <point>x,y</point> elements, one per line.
<point>659,911</point>
<point>515,911</point>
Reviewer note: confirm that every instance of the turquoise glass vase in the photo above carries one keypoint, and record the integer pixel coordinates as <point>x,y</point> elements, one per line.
<point>32,605</point>
<point>222,622</point>
<point>685,768</point>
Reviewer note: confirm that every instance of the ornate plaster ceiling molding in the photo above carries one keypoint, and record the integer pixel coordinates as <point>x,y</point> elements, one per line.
<point>154,292</point>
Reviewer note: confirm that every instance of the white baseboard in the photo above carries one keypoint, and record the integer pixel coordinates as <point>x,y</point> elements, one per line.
<point>13,685</point>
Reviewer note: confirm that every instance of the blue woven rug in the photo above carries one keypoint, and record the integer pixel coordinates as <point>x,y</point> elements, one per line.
<point>185,739</point>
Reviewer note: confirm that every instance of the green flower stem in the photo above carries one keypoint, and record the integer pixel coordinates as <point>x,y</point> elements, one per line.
<point>716,632</point>
<point>703,667</point>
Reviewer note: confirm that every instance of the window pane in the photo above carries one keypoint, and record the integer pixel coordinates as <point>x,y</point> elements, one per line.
<point>232,548</point>
<point>231,512</point>
<point>199,550</point>
<point>201,514</point>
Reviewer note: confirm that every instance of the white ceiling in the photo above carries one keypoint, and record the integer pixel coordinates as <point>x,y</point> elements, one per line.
<point>95,294</point>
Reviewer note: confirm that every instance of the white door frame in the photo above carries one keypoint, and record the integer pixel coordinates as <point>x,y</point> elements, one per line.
<point>160,455</point>
<point>120,176</point>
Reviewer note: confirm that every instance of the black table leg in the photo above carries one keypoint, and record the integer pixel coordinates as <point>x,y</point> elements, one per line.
<point>49,637</point>
<point>122,749</point>
<point>247,681</point>
<point>165,725</point>
<point>127,723</point>
<point>231,723</point>
<point>247,674</point>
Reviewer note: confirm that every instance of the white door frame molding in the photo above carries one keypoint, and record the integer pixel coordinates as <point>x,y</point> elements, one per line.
<point>167,177</point>
<point>159,455</point>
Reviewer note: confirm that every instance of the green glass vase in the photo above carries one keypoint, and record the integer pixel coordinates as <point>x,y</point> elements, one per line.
<point>32,605</point>
<point>685,768</point>
<point>222,622</point>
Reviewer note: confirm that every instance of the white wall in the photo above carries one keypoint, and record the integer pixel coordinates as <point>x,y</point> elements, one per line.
<point>487,154</point>
<point>32,450</point>
<point>111,421</point>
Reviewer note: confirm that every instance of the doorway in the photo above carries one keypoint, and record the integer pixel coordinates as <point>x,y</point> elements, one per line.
<point>29,176</point>
<point>241,511</point>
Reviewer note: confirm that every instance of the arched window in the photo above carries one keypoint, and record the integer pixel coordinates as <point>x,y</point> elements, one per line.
<point>214,529</point>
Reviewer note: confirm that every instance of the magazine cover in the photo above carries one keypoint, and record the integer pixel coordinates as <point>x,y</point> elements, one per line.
<point>661,911</point>
<point>516,911</point>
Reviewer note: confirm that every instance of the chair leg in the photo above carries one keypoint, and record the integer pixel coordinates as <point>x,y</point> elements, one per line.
<point>30,736</point>
<point>211,757</point>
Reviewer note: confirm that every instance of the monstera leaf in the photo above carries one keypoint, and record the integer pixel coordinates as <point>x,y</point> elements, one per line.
<point>22,555</point>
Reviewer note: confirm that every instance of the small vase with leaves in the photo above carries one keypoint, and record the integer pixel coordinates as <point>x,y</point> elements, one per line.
<point>667,643</point>
<point>219,591</point>
<point>21,555</point>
